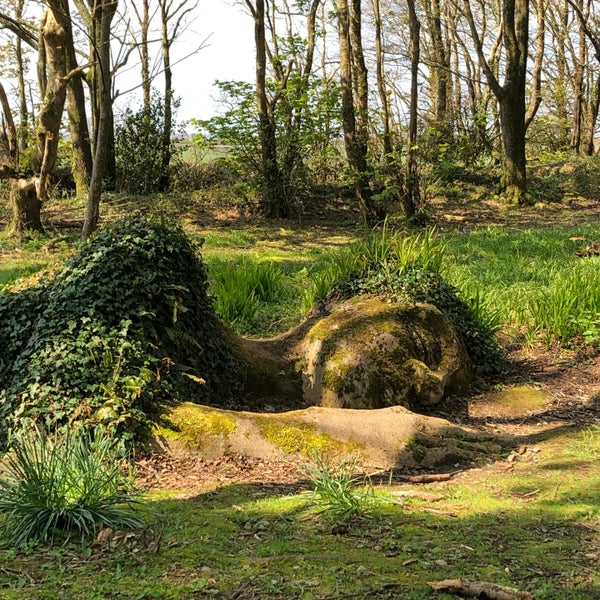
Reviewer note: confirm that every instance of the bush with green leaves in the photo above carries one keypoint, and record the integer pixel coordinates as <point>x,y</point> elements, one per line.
<point>126,326</point>
<point>140,149</point>
<point>407,269</point>
<point>50,485</point>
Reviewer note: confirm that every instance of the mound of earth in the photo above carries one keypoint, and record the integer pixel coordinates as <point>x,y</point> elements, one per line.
<point>386,438</point>
<point>363,353</point>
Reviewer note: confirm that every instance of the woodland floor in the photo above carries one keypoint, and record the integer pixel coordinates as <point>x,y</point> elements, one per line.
<point>568,382</point>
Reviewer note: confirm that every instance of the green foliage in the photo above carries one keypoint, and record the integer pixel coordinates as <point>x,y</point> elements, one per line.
<point>383,252</point>
<point>140,147</point>
<point>569,307</point>
<point>306,121</point>
<point>124,327</point>
<point>531,280</point>
<point>407,269</point>
<point>240,288</point>
<point>77,481</point>
<point>337,490</point>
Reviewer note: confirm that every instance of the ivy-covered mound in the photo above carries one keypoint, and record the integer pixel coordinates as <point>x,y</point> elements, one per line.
<point>125,327</point>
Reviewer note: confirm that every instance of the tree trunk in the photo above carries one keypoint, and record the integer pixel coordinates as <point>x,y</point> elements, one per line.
<point>536,78</point>
<point>512,122</point>
<point>26,208</point>
<point>411,195</point>
<point>143,18</point>
<point>354,95</point>
<point>578,89</point>
<point>95,21</point>
<point>510,95</point>
<point>388,148</point>
<point>82,161</point>
<point>164,181</point>
<point>24,202</point>
<point>103,16</point>
<point>52,71</point>
<point>587,146</point>
<point>441,65</point>
<point>273,202</point>
<point>53,37</point>
<point>591,33</point>
<point>23,112</point>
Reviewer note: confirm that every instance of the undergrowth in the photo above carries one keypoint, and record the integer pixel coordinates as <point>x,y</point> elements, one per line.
<point>57,485</point>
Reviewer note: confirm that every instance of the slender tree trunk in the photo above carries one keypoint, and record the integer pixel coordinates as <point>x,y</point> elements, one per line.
<point>536,78</point>
<point>411,195</point>
<point>557,18</point>
<point>143,17</point>
<point>590,32</point>
<point>103,16</point>
<point>23,111</point>
<point>76,107</point>
<point>98,45</point>
<point>587,145</point>
<point>164,181</point>
<point>578,87</point>
<point>441,66</point>
<point>273,201</point>
<point>388,148</point>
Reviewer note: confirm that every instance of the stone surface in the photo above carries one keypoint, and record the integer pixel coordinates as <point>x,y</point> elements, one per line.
<point>390,437</point>
<point>370,354</point>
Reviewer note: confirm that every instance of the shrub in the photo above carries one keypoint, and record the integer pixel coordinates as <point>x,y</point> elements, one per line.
<point>139,149</point>
<point>73,482</point>
<point>126,326</point>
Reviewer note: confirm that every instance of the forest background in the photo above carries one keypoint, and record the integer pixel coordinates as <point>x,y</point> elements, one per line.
<point>388,98</point>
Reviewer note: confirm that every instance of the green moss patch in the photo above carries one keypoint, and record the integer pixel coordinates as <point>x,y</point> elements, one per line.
<point>518,400</point>
<point>301,438</point>
<point>192,424</point>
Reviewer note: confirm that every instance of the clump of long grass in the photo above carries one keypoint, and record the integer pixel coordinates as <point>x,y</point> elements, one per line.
<point>385,252</point>
<point>241,288</point>
<point>65,483</point>
<point>569,307</point>
<point>337,491</point>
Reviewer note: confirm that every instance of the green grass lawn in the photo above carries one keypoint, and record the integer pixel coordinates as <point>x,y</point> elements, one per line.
<point>533,526</point>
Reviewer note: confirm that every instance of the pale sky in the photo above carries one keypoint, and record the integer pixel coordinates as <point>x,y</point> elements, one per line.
<point>228,55</point>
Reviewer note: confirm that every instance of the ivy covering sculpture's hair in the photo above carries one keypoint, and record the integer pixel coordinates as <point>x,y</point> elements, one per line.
<point>125,327</point>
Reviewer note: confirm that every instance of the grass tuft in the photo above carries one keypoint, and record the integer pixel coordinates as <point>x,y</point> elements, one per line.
<point>70,482</point>
<point>337,491</point>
